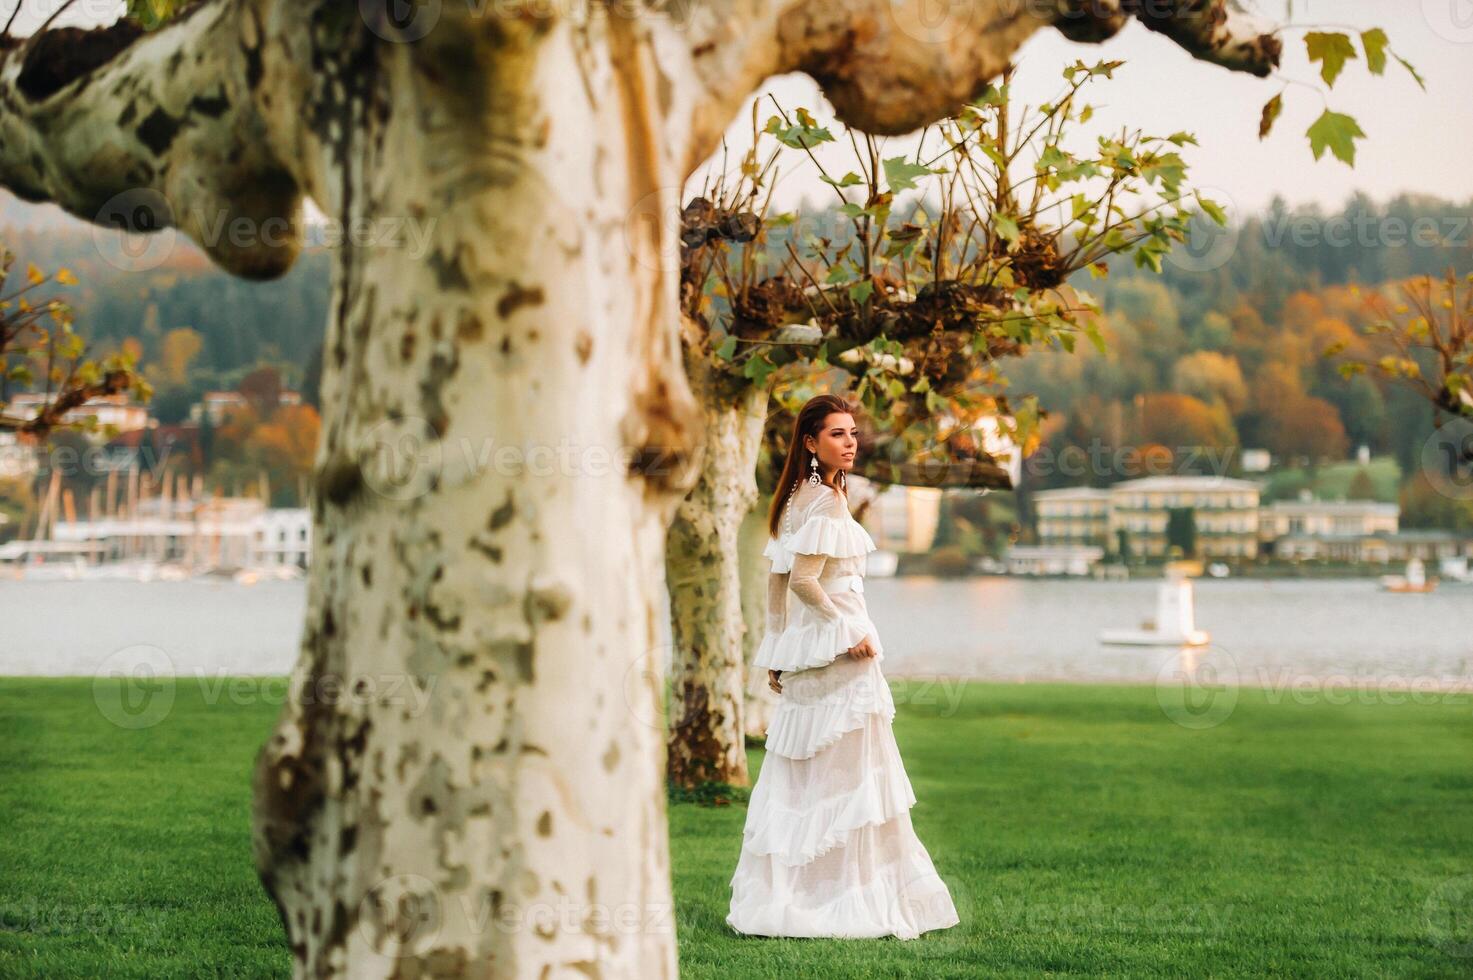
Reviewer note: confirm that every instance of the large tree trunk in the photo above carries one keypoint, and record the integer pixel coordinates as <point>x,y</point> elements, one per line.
<point>761,700</point>
<point>455,787</point>
<point>703,570</point>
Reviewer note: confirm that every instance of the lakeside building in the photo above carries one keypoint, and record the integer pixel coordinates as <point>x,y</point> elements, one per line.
<point>217,405</point>
<point>1081,524</point>
<point>221,532</point>
<point>1380,548</point>
<point>1053,559</point>
<point>1230,523</point>
<point>1073,516</point>
<point>1224,511</point>
<point>1327,518</point>
<point>117,411</point>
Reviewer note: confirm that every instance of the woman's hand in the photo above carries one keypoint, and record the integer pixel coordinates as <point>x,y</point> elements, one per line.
<point>773,682</point>
<point>863,650</point>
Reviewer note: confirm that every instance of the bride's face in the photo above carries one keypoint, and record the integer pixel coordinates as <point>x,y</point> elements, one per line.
<point>837,442</point>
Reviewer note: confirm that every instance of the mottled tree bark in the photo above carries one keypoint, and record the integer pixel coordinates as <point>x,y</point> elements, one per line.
<point>752,540</point>
<point>504,423</point>
<point>703,572</point>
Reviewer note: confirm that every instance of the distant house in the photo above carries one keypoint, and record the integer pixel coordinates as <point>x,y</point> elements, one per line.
<point>1255,460</point>
<point>1330,518</point>
<point>114,410</point>
<point>215,405</point>
<point>1224,512</point>
<point>224,532</point>
<point>1046,559</point>
<point>1073,515</point>
<point>1381,547</point>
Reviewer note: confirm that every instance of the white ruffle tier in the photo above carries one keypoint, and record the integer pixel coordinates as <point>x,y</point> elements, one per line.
<point>837,537</point>
<point>829,849</point>
<point>806,642</point>
<point>819,707</point>
<point>884,895</point>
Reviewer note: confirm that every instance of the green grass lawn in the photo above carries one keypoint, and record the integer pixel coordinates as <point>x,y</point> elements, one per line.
<point>1083,834</point>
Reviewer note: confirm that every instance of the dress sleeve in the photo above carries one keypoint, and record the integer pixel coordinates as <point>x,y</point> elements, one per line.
<point>804,582</point>
<point>777,602</point>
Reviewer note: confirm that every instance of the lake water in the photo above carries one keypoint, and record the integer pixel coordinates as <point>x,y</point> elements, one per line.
<point>1270,631</point>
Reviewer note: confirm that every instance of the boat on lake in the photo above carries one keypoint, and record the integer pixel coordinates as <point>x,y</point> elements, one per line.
<point>1415,579</point>
<point>1175,622</point>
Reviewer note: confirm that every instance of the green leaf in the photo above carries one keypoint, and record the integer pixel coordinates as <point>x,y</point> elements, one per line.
<point>1332,51</point>
<point>1092,331</point>
<point>900,173</point>
<point>1408,66</point>
<point>1375,41</point>
<point>801,136</point>
<point>1336,132</point>
<point>758,368</point>
<point>1271,110</point>
<point>1213,209</point>
<point>860,291</point>
<point>848,180</point>
<point>995,95</point>
<point>727,350</point>
<point>152,14</point>
<point>1053,157</point>
<point>1006,227</point>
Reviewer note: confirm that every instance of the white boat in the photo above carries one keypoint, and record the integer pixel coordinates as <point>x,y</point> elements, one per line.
<point>1415,579</point>
<point>1455,569</point>
<point>1174,625</point>
<point>1218,569</point>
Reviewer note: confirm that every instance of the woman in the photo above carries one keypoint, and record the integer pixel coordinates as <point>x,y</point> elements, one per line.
<point>828,849</point>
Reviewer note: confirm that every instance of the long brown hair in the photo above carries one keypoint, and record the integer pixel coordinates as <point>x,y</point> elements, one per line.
<point>795,468</point>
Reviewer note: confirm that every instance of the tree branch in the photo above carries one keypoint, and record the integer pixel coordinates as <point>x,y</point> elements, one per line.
<point>148,131</point>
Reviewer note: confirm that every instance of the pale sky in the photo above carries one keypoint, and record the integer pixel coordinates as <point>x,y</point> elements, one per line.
<point>1418,142</point>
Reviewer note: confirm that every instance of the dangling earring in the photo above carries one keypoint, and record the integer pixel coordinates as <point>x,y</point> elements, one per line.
<point>813,477</point>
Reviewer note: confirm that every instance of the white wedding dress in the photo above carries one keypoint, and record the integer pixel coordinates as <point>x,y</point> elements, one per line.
<point>828,849</point>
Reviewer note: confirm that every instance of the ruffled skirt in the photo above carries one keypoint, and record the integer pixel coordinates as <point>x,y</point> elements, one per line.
<point>828,849</point>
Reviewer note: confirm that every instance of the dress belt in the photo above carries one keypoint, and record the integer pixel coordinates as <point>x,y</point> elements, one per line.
<point>844,583</point>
